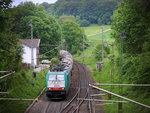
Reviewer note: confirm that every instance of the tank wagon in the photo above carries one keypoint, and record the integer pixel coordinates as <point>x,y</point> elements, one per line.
<point>59,77</point>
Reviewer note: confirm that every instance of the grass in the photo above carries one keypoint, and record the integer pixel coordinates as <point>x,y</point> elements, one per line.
<point>20,86</point>
<point>94,29</point>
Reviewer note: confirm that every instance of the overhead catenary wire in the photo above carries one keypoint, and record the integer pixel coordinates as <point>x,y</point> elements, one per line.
<point>51,50</point>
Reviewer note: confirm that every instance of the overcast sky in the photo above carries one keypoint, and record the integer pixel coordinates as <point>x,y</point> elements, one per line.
<point>16,2</point>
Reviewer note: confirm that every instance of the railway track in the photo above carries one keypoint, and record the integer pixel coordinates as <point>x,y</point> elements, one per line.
<point>74,105</point>
<point>79,89</point>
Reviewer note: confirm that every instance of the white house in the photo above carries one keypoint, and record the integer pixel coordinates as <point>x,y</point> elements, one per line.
<point>27,49</point>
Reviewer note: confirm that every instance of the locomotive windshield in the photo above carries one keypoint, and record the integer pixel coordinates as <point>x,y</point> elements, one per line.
<point>52,77</point>
<point>56,77</point>
<point>60,77</point>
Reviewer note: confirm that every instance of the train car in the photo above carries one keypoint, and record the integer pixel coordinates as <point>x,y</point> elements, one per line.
<point>59,78</point>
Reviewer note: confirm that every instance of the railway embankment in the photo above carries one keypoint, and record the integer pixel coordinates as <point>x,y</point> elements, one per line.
<point>22,87</point>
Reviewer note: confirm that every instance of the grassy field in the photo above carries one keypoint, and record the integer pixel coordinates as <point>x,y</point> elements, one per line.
<point>93,41</point>
<point>94,29</point>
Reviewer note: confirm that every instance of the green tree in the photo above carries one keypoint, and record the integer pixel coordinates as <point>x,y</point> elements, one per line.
<point>10,49</point>
<point>73,35</point>
<point>84,23</point>
<point>45,27</point>
<point>90,10</point>
<point>64,18</point>
<point>98,51</point>
<point>4,5</point>
<point>132,17</point>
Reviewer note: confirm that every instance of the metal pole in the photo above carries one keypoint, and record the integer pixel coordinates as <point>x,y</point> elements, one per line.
<point>122,36</point>
<point>32,57</point>
<point>83,48</point>
<point>4,92</point>
<point>7,75</point>
<point>113,63</point>
<point>97,100</point>
<point>102,45</point>
<point>142,85</point>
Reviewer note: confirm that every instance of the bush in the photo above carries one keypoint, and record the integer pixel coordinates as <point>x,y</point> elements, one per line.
<point>84,23</point>
<point>55,61</point>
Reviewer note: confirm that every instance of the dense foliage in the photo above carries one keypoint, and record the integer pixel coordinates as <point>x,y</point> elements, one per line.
<point>73,35</point>
<point>10,50</point>
<point>64,18</point>
<point>93,11</point>
<point>132,18</point>
<point>98,51</point>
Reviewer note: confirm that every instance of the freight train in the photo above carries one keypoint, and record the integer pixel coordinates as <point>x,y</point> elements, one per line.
<point>59,77</point>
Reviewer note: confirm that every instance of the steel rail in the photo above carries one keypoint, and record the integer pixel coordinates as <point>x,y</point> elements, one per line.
<point>69,109</point>
<point>89,105</point>
<point>80,103</point>
<point>46,111</point>
<point>89,102</point>
<point>33,102</point>
<point>130,100</point>
<point>76,108</point>
<point>74,97</point>
<point>87,91</point>
<point>67,105</point>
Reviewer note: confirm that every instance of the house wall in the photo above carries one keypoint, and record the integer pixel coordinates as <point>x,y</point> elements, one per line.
<point>26,57</point>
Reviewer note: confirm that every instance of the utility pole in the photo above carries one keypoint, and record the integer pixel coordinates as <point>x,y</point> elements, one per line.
<point>122,36</point>
<point>113,69</point>
<point>32,56</point>
<point>102,45</point>
<point>83,48</point>
<point>112,63</point>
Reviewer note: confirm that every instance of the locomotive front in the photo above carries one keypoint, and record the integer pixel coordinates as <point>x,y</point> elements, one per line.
<point>56,84</point>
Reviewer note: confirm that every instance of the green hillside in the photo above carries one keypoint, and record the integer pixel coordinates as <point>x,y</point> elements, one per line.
<point>93,11</point>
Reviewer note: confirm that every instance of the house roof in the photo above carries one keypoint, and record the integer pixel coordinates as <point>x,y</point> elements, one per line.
<point>28,42</point>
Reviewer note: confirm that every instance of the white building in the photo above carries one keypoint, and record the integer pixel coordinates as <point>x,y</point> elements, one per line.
<point>27,48</point>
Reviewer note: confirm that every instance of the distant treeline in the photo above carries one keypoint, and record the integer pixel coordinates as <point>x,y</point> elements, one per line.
<point>92,11</point>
